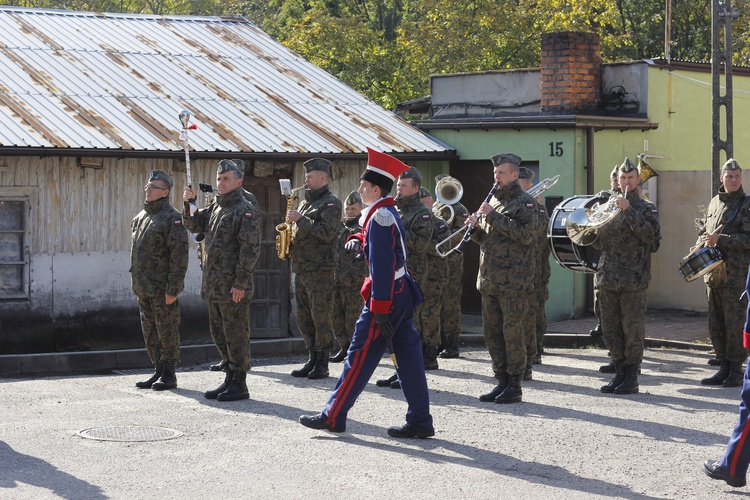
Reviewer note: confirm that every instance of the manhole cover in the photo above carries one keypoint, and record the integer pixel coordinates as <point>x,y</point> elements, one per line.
<point>130,433</point>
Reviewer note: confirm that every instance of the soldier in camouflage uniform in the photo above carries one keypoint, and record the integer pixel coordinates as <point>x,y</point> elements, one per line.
<point>507,256</point>
<point>158,263</point>
<point>351,270</point>
<point>232,228</point>
<point>622,279</point>
<point>729,209</point>
<point>537,317</point>
<point>417,222</point>
<point>431,311</point>
<point>450,319</point>
<point>316,225</point>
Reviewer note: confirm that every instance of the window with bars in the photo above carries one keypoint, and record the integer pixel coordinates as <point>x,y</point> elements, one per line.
<point>14,261</point>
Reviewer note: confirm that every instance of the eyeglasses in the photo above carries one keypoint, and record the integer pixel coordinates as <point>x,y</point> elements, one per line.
<point>151,187</point>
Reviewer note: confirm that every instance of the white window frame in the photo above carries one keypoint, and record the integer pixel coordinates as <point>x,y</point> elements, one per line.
<point>24,195</point>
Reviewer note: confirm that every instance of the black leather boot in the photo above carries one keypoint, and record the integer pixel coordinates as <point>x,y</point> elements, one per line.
<point>512,392</point>
<point>451,346</point>
<point>608,368</point>
<point>528,373</point>
<point>146,384</point>
<point>736,376</point>
<point>341,355</point>
<point>218,367</point>
<point>320,370</point>
<point>630,384</point>
<point>619,378</point>
<point>168,379</point>
<point>597,331</point>
<point>307,368</point>
<point>430,357</point>
<point>237,389</point>
<point>386,382</point>
<point>223,387</point>
<point>719,377</point>
<point>502,383</point>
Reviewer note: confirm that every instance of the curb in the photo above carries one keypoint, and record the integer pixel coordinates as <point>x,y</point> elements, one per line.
<point>91,362</point>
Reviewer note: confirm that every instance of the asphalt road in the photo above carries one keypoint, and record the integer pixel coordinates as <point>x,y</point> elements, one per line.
<point>566,440</point>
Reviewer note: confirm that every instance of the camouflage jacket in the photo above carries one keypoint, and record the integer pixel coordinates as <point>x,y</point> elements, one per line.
<point>232,227</point>
<point>460,214</point>
<point>159,250</point>
<point>507,241</point>
<point>416,219</point>
<point>350,270</point>
<point>438,266</point>
<point>626,243</point>
<point>734,242</point>
<point>314,233</point>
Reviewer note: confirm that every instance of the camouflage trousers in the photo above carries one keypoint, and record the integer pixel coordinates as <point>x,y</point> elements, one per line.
<point>160,324</point>
<point>623,325</point>
<point>503,326</point>
<point>230,329</point>
<point>535,322</point>
<point>450,317</point>
<point>345,310</point>
<point>726,322</point>
<point>313,293</point>
<point>430,313</point>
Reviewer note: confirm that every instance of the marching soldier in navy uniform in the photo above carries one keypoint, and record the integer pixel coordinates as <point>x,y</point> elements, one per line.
<point>733,465</point>
<point>351,269</point>
<point>387,319</point>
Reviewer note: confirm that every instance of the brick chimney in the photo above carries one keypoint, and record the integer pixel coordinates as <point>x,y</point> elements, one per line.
<point>571,73</point>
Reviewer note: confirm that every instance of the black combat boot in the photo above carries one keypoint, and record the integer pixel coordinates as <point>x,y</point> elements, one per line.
<point>451,346</point>
<point>168,379</point>
<point>719,377</point>
<point>630,384</point>
<point>320,370</point>
<point>608,368</point>
<point>619,378</point>
<point>596,331</point>
<point>512,392</point>
<point>307,368</point>
<point>736,376</point>
<point>430,357</point>
<point>223,387</point>
<point>528,373</point>
<point>146,384</point>
<point>218,367</point>
<point>386,382</point>
<point>341,355</point>
<point>237,389</point>
<point>502,383</point>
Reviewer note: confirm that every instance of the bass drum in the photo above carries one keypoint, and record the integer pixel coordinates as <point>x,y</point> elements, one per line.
<point>569,255</point>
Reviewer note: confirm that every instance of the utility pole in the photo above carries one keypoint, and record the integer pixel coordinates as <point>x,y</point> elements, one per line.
<point>721,62</point>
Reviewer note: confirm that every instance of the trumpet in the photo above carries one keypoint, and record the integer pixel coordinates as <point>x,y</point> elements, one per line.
<point>533,191</point>
<point>284,238</point>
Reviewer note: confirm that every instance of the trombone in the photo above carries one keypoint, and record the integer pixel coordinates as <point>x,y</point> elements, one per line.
<point>533,191</point>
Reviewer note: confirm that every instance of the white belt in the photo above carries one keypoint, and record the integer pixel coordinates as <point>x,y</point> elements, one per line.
<point>400,273</point>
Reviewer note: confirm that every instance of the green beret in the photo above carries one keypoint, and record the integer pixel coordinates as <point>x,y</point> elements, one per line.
<point>160,175</point>
<point>731,164</point>
<point>318,164</point>
<point>502,158</point>
<point>227,165</point>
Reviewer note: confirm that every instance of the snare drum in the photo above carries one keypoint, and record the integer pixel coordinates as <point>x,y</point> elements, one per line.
<point>568,254</point>
<point>700,262</point>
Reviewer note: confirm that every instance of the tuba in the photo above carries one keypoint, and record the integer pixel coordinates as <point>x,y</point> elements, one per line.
<point>448,191</point>
<point>284,238</point>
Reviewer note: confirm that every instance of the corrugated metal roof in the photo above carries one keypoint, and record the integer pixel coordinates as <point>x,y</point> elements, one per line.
<point>118,81</point>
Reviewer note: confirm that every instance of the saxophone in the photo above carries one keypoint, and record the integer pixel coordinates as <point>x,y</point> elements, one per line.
<point>284,238</point>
